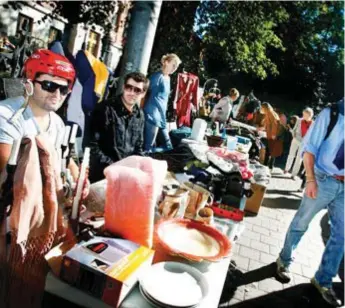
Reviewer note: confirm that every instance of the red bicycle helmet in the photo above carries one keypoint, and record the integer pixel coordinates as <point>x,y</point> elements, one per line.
<point>47,62</point>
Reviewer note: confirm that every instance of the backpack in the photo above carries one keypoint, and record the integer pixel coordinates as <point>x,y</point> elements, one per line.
<point>334,119</point>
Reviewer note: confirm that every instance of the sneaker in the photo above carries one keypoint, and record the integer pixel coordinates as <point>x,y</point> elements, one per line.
<point>327,294</point>
<point>283,271</point>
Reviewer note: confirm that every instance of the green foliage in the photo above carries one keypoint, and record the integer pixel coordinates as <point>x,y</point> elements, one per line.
<point>175,35</point>
<point>314,38</point>
<point>238,35</point>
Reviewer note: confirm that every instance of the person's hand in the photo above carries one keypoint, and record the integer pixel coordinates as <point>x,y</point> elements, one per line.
<point>311,190</point>
<point>274,137</point>
<point>86,190</point>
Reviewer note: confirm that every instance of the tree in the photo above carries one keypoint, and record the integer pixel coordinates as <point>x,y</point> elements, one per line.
<point>175,34</point>
<point>314,39</point>
<point>237,36</point>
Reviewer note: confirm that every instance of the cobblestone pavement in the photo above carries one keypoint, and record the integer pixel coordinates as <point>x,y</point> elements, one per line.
<point>253,283</point>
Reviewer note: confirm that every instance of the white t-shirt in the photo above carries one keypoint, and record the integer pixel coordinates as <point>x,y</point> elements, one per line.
<point>26,125</point>
<point>221,111</point>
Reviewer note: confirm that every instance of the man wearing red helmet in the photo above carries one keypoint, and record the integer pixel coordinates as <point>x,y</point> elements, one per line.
<point>49,77</point>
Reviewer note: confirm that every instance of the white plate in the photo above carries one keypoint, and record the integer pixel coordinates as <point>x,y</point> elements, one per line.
<point>175,284</point>
<point>155,303</point>
<point>147,298</point>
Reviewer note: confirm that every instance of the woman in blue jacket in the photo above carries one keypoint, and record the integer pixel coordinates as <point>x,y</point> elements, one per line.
<point>156,105</point>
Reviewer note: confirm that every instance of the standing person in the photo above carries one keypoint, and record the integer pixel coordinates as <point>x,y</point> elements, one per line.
<point>323,156</point>
<point>298,132</point>
<point>282,117</point>
<point>156,105</point>
<point>5,44</point>
<point>117,126</point>
<point>274,129</point>
<point>223,108</point>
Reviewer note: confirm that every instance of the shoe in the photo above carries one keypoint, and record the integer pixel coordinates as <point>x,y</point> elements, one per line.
<point>283,271</point>
<point>327,294</point>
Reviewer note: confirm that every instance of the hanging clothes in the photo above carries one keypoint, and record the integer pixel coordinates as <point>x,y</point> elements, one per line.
<point>101,75</point>
<point>56,47</point>
<point>87,79</point>
<point>187,93</point>
<point>75,112</point>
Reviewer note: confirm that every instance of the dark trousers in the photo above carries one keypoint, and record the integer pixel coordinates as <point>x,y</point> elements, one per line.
<point>269,160</point>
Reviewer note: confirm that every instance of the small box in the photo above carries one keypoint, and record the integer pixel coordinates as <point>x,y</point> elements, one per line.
<point>254,202</point>
<point>106,268</point>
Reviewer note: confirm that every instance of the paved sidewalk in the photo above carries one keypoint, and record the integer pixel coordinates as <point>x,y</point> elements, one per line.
<point>253,283</point>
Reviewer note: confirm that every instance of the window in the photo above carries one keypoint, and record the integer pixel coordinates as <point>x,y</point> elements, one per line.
<point>54,34</point>
<point>93,43</point>
<point>24,23</point>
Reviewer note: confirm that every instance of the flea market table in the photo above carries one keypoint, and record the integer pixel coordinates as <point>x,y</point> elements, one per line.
<point>215,274</point>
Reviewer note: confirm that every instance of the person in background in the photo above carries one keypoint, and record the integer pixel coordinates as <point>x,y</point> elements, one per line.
<point>323,156</point>
<point>221,111</point>
<point>155,107</point>
<point>292,123</point>
<point>117,126</point>
<point>282,117</point>
<point>5,44</point>
<point>274,130</point>
<point>298,133</point>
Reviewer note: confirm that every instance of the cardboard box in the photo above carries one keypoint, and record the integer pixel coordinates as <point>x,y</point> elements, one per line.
<point>254,202</point>
<point>106,268</point>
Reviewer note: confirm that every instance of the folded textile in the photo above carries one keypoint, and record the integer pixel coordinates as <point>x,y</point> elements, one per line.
<point>36,222</point>
<point>35,205</point>
<point>199,151</point>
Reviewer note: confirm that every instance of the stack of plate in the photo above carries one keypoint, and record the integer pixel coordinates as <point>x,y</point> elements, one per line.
<point>173,285</point>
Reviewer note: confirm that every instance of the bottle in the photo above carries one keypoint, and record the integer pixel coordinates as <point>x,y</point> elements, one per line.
<point>224,133</point>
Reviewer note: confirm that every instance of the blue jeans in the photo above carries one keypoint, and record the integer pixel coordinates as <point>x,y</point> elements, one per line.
<point>153,132</point>
<point>331,196</point>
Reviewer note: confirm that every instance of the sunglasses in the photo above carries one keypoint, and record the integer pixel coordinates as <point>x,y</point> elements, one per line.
<point>136,90</point>
<point>51,86</point>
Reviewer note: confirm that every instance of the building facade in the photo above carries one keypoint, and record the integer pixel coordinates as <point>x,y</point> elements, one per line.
<point>30,17</point>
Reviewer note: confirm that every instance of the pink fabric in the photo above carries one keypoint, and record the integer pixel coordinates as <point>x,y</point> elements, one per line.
<point>235,157</point>
<point>133,187</point>
<point>35,204</point>
<point>187,91</point>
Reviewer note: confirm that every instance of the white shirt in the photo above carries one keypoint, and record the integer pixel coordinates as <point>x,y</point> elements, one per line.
<point>222,110</point>
<point>26,125</point>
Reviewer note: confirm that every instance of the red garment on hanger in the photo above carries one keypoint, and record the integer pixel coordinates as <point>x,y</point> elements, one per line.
<point>187,92</point>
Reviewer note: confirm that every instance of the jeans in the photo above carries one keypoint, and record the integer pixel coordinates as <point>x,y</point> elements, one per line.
<point>331,196</point>
<point>151,134</point>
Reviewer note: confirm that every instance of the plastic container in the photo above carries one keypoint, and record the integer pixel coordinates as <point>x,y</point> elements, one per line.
<point>243,140</point>
<point>214,141</point>
<point>199,129</point>
<point>231,143</point>
<point>226,211</point>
